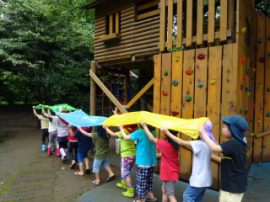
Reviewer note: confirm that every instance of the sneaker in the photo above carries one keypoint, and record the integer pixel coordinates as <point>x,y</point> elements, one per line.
<point>43,147</point>
<point>49,152</point>
<point>57,153</point>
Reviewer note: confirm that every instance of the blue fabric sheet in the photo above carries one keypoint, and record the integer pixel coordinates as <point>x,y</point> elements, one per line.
<point>80,118</point>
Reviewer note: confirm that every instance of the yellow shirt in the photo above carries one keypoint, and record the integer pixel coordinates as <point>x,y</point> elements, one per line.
<point>44,123</point>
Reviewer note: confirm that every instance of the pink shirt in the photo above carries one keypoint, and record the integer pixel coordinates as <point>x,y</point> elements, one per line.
<point>169,165</point>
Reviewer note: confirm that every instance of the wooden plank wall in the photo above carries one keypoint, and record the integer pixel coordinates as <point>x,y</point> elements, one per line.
<point>261,150</point>
<point>137,37</point>
<point>202,83</point>
<point>194,35</point>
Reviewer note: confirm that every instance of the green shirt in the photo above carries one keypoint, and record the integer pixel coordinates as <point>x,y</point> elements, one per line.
<point>102,147</point>
<point>127,147</point>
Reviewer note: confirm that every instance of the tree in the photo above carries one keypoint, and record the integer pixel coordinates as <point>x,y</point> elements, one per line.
<point>47,46</point>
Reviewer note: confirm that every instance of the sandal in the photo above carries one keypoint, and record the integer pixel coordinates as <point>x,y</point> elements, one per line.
<point>87,171</point>
<point>72,166</point>
<point>151,199</point>
<point>78,173</point>
<point>110,178</point>
<point>95,182</point>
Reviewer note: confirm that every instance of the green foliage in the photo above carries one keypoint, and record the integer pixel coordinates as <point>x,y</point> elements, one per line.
<point>45,50</point>
<point>264,6</point>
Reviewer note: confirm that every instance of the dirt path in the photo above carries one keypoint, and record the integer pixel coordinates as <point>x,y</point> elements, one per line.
<point>27,174</point>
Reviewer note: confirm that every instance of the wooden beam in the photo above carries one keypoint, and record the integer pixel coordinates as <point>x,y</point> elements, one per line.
<point>179,23</point>
<point>211,21</point>
<point>162,25</point>
<point>147,15</point>
<point>170,24</point>
<point>199,35</point>
<point>140,93</point>
<point>223,20</point>
<point>189,23</point>
<point>107,92</point>
<point>92,90</point>
<point>109,37</point>
<point>258,135</point>
<point>117,22</point>
<point>147,5</point>
<point>111,24</point>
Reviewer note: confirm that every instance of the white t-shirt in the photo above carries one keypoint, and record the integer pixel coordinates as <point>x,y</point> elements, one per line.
<point>201,175</point>
<point>53,126</point>
<point>62,128</point>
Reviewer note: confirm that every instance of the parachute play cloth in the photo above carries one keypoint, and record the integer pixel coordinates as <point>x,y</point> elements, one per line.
<point>80,118</point>
<point>57,108</point>
<point>188,127</point>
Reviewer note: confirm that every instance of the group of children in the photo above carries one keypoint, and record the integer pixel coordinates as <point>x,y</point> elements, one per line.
<point>139,145</point>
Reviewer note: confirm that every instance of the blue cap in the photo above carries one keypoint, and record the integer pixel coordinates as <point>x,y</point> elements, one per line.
<point>238,125</point>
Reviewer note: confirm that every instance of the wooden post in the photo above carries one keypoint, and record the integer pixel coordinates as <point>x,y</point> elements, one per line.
<point>92,90</point>
<point>107,92</point>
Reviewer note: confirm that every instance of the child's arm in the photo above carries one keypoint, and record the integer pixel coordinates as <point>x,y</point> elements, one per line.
<point>213,146</point>
<point>110,132</point>
<point>84,132</point>
<point>148,133</point>
<point>35,113</point>
<point>176,139</point>
<point>124,133</point>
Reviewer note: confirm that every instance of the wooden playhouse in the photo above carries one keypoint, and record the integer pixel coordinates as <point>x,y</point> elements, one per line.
<point>196,58</point>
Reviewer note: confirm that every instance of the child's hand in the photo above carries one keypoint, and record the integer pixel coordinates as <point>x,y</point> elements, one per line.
<point>143,124</point>
<point>120,127</point>
<point>34,107</point>
<point>201,129</point>
<point>105,127</point>
<point>79,127</point>
<point>164,130</point>
<point>115,111</point>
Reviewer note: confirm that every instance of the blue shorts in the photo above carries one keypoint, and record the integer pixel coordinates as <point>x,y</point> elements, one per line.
<point>81,156</point>
<point>100,163</point>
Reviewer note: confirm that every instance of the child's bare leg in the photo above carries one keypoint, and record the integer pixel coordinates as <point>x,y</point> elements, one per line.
<point>86,161</point>
<point>97,177</point>
<point>81,168</point>
<point>172,198</point>
<point>128,181</point>
<point>164,195</point>
<point>109,170</point>
<point>150,195</point>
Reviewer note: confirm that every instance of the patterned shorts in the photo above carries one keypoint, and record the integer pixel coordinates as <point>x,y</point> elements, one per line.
<point>126,166</point>
<point>144,181</point>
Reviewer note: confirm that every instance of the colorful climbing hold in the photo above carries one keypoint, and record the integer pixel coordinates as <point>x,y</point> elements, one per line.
<point>188,98</point>
<point>189,72</point>
<point>248,94</point>
<point>175,83</point>
<point>254,69</point>
<point>200,84</point>
<point>245,77</point>
<point>268,90</point>
<point>259,121</point>
<point>260,86</point>
<point>201,56</point>
<point>241,87</point>
<point>246,70</point>
<point>243,60</point>
<point>166,73</point>
<point>244,30</point>
<point>260,41</point>
<point>164,93</point>
<point>268,114</point>
<point>174,113</point>
<point>212,82</point>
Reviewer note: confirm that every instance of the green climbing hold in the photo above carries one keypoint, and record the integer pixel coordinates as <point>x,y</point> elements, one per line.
<point>175,82</point>
<point>188,98</point>
<point>166,73</point>
<point>260,41</point>
<point>268,114</point>
<point>200,84</point>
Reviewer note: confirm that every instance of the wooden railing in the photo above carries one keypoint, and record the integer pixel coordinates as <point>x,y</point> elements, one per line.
<point>193,23</point>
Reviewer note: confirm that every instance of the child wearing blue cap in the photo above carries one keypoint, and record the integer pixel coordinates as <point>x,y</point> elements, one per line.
<point>233,171</point>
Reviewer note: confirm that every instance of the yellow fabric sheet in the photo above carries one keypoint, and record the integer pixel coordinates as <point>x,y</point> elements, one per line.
<point>188,127</point>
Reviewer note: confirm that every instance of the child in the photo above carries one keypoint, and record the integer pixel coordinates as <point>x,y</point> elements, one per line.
<point>72,146</point>
<point>44,123</point>
<point>127,159</point>
<point>145,161</point>
<point>201,176</point>
<point>169,166</point>
<point>233,172</point>
<point>85,144</point>
<point>52,135</point>
<point>62,134</point>
<point>101,159</point>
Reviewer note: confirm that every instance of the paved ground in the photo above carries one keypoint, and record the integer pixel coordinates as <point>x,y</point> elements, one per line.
<point>27,174</point>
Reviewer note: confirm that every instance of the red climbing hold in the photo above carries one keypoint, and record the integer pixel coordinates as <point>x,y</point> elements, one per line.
<point>201,56</point>
<point>243,60</point>
<point>189,72</point>
<point>174,113</point>
<point>164,93</point>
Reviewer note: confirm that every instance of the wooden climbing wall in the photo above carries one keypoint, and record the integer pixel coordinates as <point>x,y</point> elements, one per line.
<point>195,83</point>
<point>261,150</point>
